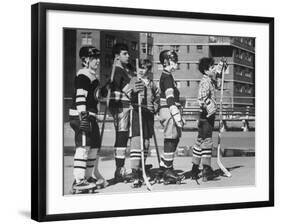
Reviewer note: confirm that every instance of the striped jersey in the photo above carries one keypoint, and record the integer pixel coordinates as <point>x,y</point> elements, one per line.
<point>168,89</point>
<point>84,98</point>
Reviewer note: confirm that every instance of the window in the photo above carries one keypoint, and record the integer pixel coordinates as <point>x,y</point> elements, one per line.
<point>249,90</point>
<point>109,41</point>
<point>199,47</point>
<point>175,48</point>
<point>179,66</point>
<point>188,83</point>
<point>143,48</point>
<point>149,34</point>
<point>86,38</point>
<point>248,74</point>
<point>149,50</point>
<point>187,48</point>
<point>134,46</point>
<point>187,66</point>
<point>160,48</point>
<point>159,66</point>
<point>108,60</point>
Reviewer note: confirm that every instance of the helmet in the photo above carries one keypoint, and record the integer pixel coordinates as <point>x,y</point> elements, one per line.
<point>88,51</point>
<point>168,54</point>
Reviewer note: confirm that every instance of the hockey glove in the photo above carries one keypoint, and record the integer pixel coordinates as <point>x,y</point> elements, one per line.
<point>85,124</point>
<point>174,110</point>
<point>211,107</point>
<point>138,86</point>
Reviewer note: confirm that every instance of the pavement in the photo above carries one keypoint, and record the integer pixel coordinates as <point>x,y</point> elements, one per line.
<point>241,168</point>
<point>238,156</point>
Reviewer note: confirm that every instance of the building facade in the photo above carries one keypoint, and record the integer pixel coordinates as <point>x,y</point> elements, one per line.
<point>239,76</point>
<point>104,40</point>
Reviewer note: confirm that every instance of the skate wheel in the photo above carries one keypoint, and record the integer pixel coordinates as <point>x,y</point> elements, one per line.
<point>178,182</point>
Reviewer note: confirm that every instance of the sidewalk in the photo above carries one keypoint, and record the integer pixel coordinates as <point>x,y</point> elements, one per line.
<point>242,169</point>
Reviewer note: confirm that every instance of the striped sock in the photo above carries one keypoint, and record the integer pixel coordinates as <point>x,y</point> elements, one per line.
<point>206,156</point>
<point>80,163</point>
<point>92,155</point>
<point>196,154</point>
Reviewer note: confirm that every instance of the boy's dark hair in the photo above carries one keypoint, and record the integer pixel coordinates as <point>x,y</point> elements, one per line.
<point>205,63</point>
<point>117,48</point>
<point>146,63</point>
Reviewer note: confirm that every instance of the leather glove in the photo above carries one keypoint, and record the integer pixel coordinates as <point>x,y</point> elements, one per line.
<point>85,124</point>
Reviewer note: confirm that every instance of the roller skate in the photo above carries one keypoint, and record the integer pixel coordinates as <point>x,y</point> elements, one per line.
<point>195,173</point>
<point>170,177</point>
<point>137,178</point>
<point>208,173</point>
<point>100,183</point>
<point>83,186</point>
<point>120,174</point>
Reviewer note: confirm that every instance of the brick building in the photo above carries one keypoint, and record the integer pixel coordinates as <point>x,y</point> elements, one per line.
<point>240,55</point>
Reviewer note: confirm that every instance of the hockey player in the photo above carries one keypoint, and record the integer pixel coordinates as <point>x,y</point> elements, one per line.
<point>121,90</point>
<point>150,103</point>
<point>202,149</point>
<point>170,116</point>
<point>83,119</point>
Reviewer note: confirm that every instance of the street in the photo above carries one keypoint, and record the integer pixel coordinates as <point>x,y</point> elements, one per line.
<point>238,150</point>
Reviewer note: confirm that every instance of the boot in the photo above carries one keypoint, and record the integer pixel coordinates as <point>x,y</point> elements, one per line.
<point>171,177</point>
<point>120,174</point>
<point>195,172</point>
<point>137,180</point>
<point>208,173</point>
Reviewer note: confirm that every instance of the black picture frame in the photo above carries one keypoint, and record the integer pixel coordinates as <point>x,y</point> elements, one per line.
<point>39,114</point>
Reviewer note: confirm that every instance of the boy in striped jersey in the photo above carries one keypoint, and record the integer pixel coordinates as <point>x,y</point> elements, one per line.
<point>202,149</point>
<point>83,119</point>
<point>121,89</point>
<point>170,116</point>
<point>150,104</point>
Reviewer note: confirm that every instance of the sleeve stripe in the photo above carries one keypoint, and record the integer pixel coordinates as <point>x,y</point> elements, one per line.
<point>168,96</point>
<point>80,103</point>
<point>82,92</point>
<point>126,88</point>
<point>80,99</point>
<point>169,92</point>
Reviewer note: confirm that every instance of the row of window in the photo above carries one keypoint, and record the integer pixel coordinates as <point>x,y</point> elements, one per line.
<point>245,40</point>
<point>239,88</point>
<point>243,88</point>
<point>241,71</point>
<point>243,55</point>
<point>176,48</point>
<point>110,41</point>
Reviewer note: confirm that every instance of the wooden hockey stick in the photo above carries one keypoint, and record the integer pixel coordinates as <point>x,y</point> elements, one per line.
<point>221,166</point>
<point>100,179</point>
<point>156,147</point>
<point>148,185</point>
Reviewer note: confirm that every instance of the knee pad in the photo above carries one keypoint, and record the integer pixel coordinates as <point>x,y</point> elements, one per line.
<point>170,145</point>
<point>135,142</point>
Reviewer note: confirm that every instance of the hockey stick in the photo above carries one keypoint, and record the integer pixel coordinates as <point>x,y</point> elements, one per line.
<point>97,174</point>
<point>221,166</point>
<point>156,147</point>
<point>148,185</point>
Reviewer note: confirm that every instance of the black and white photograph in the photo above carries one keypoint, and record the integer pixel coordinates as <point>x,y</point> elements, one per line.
<point>157,111</point>
<point>138,112</point>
